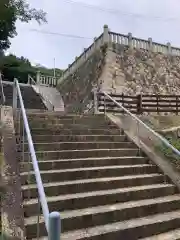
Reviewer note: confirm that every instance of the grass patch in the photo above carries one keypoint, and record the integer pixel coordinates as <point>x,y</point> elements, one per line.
<point>168,153</point>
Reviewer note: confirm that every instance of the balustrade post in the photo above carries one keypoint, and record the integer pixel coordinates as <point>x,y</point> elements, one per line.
<point>14,96</point>
<point>38,75</point>
<point>130,40</point>
<point>150,44</point>
<point>169,50</point>
<point>106,34</point>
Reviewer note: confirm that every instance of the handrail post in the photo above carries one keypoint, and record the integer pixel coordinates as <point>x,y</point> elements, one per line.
<point>139,104</point>
<point>54,230</point>
<point>95,100</point>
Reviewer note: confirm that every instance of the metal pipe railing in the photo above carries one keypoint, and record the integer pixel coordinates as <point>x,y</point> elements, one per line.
<point>166,142</point>
<point>53,218</point>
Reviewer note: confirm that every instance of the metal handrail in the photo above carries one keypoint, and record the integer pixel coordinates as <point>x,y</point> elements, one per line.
<point>34,158</point>
<point>2,89</point>
<point>166,142</point>
<point>48,218</point>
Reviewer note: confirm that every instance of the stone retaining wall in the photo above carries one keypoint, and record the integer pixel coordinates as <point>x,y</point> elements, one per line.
<point>117,68</point>
<point>135,71</point>
<point>76,89</point>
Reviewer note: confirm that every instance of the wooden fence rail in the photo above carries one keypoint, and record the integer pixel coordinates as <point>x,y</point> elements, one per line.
<point>140,104</point>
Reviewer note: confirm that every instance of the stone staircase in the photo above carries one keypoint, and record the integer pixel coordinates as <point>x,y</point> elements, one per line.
<point>31,99</point>
<point>99,181</point>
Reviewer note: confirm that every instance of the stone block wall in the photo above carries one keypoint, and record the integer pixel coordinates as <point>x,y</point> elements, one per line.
<point>134,71</point>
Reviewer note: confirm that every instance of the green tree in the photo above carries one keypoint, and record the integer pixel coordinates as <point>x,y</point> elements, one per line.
<point>14,67</point>
<point>10,12</point>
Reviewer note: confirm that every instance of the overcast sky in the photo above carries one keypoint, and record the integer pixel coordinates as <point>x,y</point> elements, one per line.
<point>162,23</point>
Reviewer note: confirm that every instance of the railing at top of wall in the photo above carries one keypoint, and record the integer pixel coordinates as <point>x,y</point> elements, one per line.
<point>46,80</point>
<point>43,80</point>
<point>110,37</point>
<point>133,42</point>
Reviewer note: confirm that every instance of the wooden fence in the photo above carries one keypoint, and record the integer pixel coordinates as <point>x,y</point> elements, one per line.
<point>140,104</point>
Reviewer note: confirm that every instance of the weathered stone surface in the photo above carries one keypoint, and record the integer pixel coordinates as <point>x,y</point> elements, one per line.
<point>76,89</point>
<point>134,71</point>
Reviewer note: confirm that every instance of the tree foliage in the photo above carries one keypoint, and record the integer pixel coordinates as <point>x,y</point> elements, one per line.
<point>10,12</point>
<point>7,23</point>
<point>14,67</point>
<point>25,13</point>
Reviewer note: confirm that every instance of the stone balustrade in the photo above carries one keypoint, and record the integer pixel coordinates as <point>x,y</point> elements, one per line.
<point>108,37</point>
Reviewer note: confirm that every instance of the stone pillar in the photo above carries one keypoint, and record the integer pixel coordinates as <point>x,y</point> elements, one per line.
<point>169,50</point>
<point>130,40</point>
<point>38,74</point>
<point>106,34</point>
<point>14,96</point>
<point>150,45</point>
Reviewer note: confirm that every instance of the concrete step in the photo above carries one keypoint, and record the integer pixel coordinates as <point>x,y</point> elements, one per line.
<point>37,112</point>
<point>55,146</point>
<point>59,115</point>
<point>84,162</point>
<point>87,121</point>
<point>103,214</point>
<point>47,125</point>
<point>95,184</point>
<point>69,125</point>
<point>85,153</point>
<point>132,230</point>
<point>170,235</point>
<point>78,138</point>
<point>103,197</point>
<point>51,130</point>
<point>92,172</point>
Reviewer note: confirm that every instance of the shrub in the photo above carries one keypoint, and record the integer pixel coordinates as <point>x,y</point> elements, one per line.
<point>168,152</point>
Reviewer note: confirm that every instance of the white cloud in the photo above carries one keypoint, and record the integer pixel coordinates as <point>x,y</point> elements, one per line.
<point>74,19</point>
